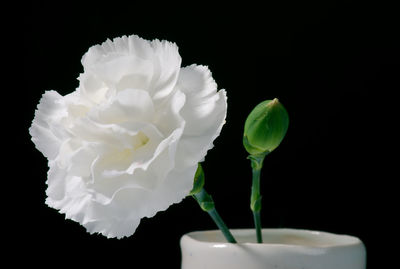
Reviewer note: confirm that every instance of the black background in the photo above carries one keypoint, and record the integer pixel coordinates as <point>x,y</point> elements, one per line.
<point>333,65</point>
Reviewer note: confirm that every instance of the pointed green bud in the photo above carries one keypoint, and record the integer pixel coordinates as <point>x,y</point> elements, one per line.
<point>198,183</point>
<point>265,127</point>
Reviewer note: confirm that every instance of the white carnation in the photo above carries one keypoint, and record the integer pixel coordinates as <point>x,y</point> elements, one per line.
<point>126,143</point>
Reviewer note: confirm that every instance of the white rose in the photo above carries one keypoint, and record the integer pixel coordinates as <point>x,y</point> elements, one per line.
<point>126,143</point>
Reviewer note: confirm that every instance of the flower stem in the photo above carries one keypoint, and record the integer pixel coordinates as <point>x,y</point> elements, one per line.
<point>255,200</point>
<point>207,204</point>
<point>257,223</point>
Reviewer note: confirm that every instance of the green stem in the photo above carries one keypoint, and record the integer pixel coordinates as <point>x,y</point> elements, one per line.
<point>221,225</point>
<point>255,203</point>
<point>207,204</point>
<point>257,223</point>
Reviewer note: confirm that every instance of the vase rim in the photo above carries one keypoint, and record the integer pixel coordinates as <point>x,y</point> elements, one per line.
<point>282,237</point>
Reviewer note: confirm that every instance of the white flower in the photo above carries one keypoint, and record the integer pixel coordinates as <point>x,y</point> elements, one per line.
<point>126,143</point>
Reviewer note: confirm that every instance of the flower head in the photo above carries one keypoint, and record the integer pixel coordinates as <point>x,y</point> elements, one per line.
<point>126,143</point>
<point>265,127</point>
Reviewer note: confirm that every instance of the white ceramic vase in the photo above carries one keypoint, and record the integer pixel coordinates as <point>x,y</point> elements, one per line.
<point>282,249</point>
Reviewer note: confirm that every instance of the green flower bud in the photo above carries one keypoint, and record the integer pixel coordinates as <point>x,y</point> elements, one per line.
<point>265,127</point>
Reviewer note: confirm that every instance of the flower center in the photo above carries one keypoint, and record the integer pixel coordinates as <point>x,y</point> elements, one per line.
<point>140,140</point>
<point>124,157</point>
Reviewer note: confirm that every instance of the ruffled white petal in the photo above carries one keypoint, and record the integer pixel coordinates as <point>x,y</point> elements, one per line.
<point>167,67</point>
<point>173,189</point>
<point>128,105</point>
<point>51,109</point>
<point>130,62</point>
<point>204,113</point>
<point>56,182</point>
<point>124,45</point>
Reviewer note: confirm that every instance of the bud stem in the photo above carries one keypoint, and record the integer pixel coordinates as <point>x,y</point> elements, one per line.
<point>207,204</point>
<point>255,203</point>
<point>257,223</point>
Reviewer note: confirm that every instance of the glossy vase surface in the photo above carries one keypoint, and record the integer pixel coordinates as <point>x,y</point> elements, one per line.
<point>282,248</point>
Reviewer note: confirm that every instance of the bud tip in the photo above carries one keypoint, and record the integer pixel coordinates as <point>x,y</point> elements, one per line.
<point>274,101</point>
